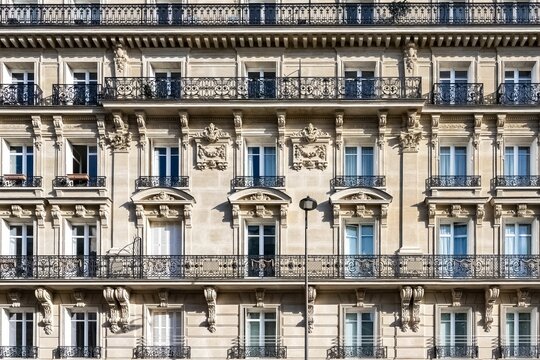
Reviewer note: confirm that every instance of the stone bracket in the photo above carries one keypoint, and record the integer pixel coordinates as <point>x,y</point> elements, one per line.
<point>491,295</point>
<point>44,297</point>
<point>210,295</point>
<point>312,294</point>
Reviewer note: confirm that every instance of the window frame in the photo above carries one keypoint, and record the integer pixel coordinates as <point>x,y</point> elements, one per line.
<point>148,246</point>
<point>148,321</point>
<point>453,146</point>
<point>261,146</point>
<point>505,309</point>
<point>4,320</point>
<point>361,222</point>
<point>360,310</point>
<point>450,221</point>
<point>265,309</point>
<point>471,320</point>
<point>25,154</point>
<point>168,159</point>
<point>515,170</point>
<point>66,335</point>
<point>521,221</point>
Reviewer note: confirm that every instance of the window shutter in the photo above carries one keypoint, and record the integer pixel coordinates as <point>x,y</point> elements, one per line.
<point>68,328</point>
<point>6,237</point>
<point>69,158</point>
<point>5,157</point>
<point>4,319</point>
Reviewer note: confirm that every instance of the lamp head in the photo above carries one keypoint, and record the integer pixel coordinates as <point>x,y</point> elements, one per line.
<point>308,204</point>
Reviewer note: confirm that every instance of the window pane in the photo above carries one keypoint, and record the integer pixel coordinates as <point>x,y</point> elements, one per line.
<point>444,162</point>
<point>367,161</point>
<point>460,161</point>
<point>508,161</point>
<point>351,161</point>
<point>270,161</point>
<point>524,161</point>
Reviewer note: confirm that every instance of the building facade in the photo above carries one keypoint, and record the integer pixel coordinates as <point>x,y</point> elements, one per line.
<point>153,156</point>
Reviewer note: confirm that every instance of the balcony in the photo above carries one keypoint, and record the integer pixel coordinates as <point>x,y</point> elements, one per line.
<point>76,94</point>
<point>263,351</point>
<point>517,181</point>
<point>268,267</point>
<point>20,181</point>
<point>453,181</point>
<point>26,352</point>
<point>458,94</point>
<point>20,95</point>
<point>162,352</point>
<point>456,351</point>
<point>523,351</point>
<point>79,180</point>
<point>519,94</point>
<point>162,181</point>
<point>65,352</point>
<point>358,181</point>
<point>243,88</point>
<point>258,181</point>
<point>301,14</point>
<point>357,352</point>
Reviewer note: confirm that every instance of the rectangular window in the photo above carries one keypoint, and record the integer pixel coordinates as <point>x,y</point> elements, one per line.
<point>359,84</point>
<point>24,86</point>
<point>358,13</point>
<point>517,86</point>
<point>518,250</point>
<point>261,161</point>
<point>517,161</point>
<point>261,84</point>
<point>261,332</point>
<point>165,239</point>
<point>166,328</point>
<point>84,330</point>
<point>453,335</point>
<point>21,160</point>
<point>262,13</point>
<point>170,14</point>
<point>261,250</point>
<point>519,340</point>
<point>359,161</point>
<point>359,250</point>
<point>453,161</point>
<point>453,12</point>
<point>453,86</point>
<point>166,162</point>
<point>21,245</point>
<point>453,249</point>
<point>21,331</point>
<point>83,250</point>
<point>84,160</point>
<point>85,87</point>
<point>359,333</point>
<point>168,84</point>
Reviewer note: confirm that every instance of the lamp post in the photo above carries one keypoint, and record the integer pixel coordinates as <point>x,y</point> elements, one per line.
<point>306,204</point>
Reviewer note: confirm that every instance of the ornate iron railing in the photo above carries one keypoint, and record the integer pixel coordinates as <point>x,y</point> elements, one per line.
<point>519,94</point>
<point>358,181</point>
<point>519,351</point>
<point>364,351</point>
<point>20,94</point>
<point>453,181</point>
<point>162,352</point>
<point>458,94</point>
<point>63,352</point>
<point>288,267</point>
<point>243,88</point>
<point>329,14</point>
<point>162,181</point>
<point>67,181</point>
<point>27,352</point>
<point>76,94</point>
<point>258,181</point>
<point>20,181</point>
<point>456,351</point>
<point>263,351</point>
<point>517,180</point>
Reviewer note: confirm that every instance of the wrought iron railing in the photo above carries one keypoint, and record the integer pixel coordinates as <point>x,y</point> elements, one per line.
<point>20,181</point>
<point>243,88</point>
<point>519,94</point>
<point>64,352</point>
<point>20,94</point>
<point>362,352</point>
<point>519,351</point>
<point>456,351</point>
<point>258,181</point>
<point>288,267</point>
<point>253,14</point>
<point>263,351</point>
<point>91,181</point>
<point>76,94</point>
<point>517,181</point>
<point>458,94</point>
<point>453,181</point>
<point>162,352</point>
<point>161,181</point>
<point>28,352</point>
<point>358,181</point>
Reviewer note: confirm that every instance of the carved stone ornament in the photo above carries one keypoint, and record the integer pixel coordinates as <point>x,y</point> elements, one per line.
<point>497,214</point>
<point>259,296</point>
<point>184,128</point>
<point>261,203</point>
<point>36,127</point>
<point>360,202</point>
<point>122,295</point>
<point>210,294</point>
<point>120,139</point>
<point>212,134</point>
<point>406,297</point>
<point>78,295</point>
<point>120,59</point>
<point>360,297</point>
<point>58,124</point>
<point>102,133</point>
<point>491,295</point>
<point>418,296</point>
<point>212,157</point>
<point>163,295</point>
<point>310,134</point>
<point>410,141</point>
<point>15,298</point>
<point>113,315</point>
<point>523,297</point>
<point>40,215</point>
<point>456,297</point>
<point>480,213</point>
<point>44,297</point>
<point>410,58</point>
<point>310,146</point>
<point>141,124</point>
<point>339,129</point>
<point>56,215</point>
<point>281,121</point>
<point>312,294</point>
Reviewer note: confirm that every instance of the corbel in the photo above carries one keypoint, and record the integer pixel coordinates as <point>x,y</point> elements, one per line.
<point>187,215</point>
<point>283,209</point>
<point>58,124</point>
<point>237,119</point>
<point>164,210</point>
<point>259,296</point>
<point>523,297</point>
<point>360,297</point>
<point>312,294</point>
<point>122,295</point>
<point>78,295</point>
<point>210,295</point>
<point>104,215</point>
<point>406,294</point>
<point>418,296</point>
<point>491,296</point>
<point>40,215</point>
<point>80,211</point>
<point>102,133</point>
<point>15,298</point>
<point>384,215</point>
<point>120,139</point>
<point>480,213</point>
<point>497,214</point>
<point>56,216</point>
<point>413,119</point>
<point>435,119</point>
<point>113,314</point>
<point>501,120</point>
<point>339,129</point>
<point>522,210</point>
<point>16,211</point>
<point>44,297</point>
<point>236,215</point>
<point>383,120</point>
<point>281,122</point>
<point>456,297</point>
<point>477,129</point>
<point>456,210</point>
<point>184,128</point>
<point>36,127</point>
<point>336,214</point>
<point>141,125</point>
<point>139,213</point>
<point>432,212</point>
<point>163,295</point>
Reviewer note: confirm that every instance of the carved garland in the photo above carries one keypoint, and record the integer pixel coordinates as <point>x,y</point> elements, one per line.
<point>310,146</point>
<point>212,146</point>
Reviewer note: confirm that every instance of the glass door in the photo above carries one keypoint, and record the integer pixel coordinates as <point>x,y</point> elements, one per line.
<point>261,246</point>
<point>518,251</point>
<point>360,259</point>
<point>453,247</point>
<point>84,248</point>
<point>166,249</point>
<point>22,248</point>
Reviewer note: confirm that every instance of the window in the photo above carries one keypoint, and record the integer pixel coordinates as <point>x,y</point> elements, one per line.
<point>168,84</point>
<point>454,335</point>
<point>359,161</point>
<point>516,12</point>
<point>18,334</point>
<point>24,12</point>
<point>453,161</point>
<point>519,340</point>
<point>453,246</point>
<point>166,162</point>
<point>21,246</point>
<point>518,249</point>
<point>517,161</point>
<point>517,86</point>
<point>165,239</point>
<point>261,84</point>
<point>359,84</point>
<point>261,161</point>
<point>83,247</point>
<point>261,333</point>
<point>169,14</point>
<point>261,250</point>
<point>358,13</point>
<point>23,82</point>
<point>359,249</point>
<point>85,87</point>
<point>87,13</point>
<point>166,328</point>
<point>453,86</point>
<point>262,13</point>
<point>82,164</point>
<point>453,12</point>
<point>81,335</point>
<point>359,334</point>
<point>21,161</point>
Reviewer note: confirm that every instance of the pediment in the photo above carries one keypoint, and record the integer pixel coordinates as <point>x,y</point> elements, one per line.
<point>162,196</point>
<point>260,196</point>
<point>361,195</point>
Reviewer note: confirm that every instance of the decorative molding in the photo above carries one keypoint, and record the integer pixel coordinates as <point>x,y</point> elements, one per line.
<point>44,297</point>
<point>418,296</point>
<point>523,297</point>
<point>56,216</point>
<point>184,128</point>
<point>113,314</point>
<point>360,297</point>
<point>311,134</point>
<point>406,294</point>
<point>491,296</point>
<point>501,120</point>
<point>310,148</point>
<point>281,122</point>
<point>312,294</point>
<point>15,298</point>
<point>383,120</point>
<point>480,214</point>
<point>122,295</point>
<point>140,116</point>
<point>120,139</point>
<point>80,211</point>
<point>259,296</point>
<point>477,129</point>
<point>210,295</point>
<point>104,215</point>
<point>139,214</point>
<point>78,295</point>
<point>457,294</point>
<point>212,148</point>
<point>212,134</point>
<point>258,202</point>
<point>40,215</point>
<point>36,127</point>
<point>410,141</point>
<point>435,120</point>
<point>120,59</point>
<point>360,202</point>
<point>102,132</point>
<point>58,124</point>
<point>410,58</point>
<point>237,120</point>
<point>339,128</point>
<point>163,295</point>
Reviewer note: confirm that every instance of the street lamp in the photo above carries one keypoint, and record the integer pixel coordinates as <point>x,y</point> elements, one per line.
<point>306,204</point>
